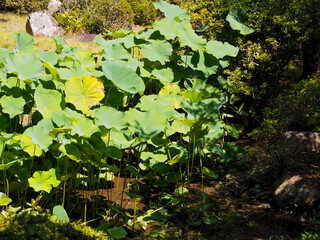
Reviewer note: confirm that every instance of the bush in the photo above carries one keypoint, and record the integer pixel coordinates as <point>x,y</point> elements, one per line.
<point>72,20</point>
<point>97,16</point>
<point>307,100</point>
<point>30,224</point>
<point>24,6</point>
<point>144,11</point>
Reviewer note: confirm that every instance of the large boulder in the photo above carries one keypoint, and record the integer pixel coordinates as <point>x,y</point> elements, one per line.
<point>298,141</point>
<point>297,191</point>
<point>42,23</point>
<point>54,6</point>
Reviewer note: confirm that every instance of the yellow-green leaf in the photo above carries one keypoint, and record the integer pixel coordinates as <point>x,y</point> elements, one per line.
<point>84,92</point>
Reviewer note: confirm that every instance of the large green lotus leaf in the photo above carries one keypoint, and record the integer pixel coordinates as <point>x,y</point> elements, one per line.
<point>204,62</point>
<point>146,124</point>
<point>116,52</point>
<point>171,11</point>
<point>3,54</point>
<point>220,49</point>
<point>84,92</point>
<point>157,51</point>
<point>78,123</point>
<point>206,109</point>
<point>109,117</point>
<point>24,42</point>
<point>47,101</point>
<point>49,57</point>
<point>167,27</point>
<point>12,106</point>
<point>165,75</point>
<point>160,103</point>
<point>36,136</point>
<point>188,37</point>
<point>236,17</point>
<point>178,126</point>
<point>83,126</point>
<point>44,180</point>
<point>174,92</point>
<point>4,200</point>
<point>86,60</point>
<point>66,73</point>
<point>26,66</point>
<point>123,77</point>
<point>119,139</point>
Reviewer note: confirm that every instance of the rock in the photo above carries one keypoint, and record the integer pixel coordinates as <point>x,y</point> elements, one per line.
<point>42,23</point>
<point>54,6</point>
<point>297,191</point>
<point>297,141</point>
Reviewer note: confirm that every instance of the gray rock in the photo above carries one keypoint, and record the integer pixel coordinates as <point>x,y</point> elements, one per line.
<point>54,6</point>
<point>297,141</point>
<point>297,191</point>
<point>42,23</point>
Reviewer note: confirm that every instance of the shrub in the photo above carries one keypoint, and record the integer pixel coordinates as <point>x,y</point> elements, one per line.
<point>24,6</point>
<point>30,224</point>
<point>144,11</point>
<point>97,16</point>
<point>72,20</point>
<point>307,100</point>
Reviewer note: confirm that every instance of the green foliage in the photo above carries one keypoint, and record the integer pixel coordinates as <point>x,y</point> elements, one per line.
<point>97,16</point>
<point>144,11</point>
<point>24,6</point>
<point>306,98</point>
<point>31,224</point>
<point>284,31</point>
<point>156,115</point>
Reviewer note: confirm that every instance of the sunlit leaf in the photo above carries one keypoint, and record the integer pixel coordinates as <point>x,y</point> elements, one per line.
<point>24,42</point>
<point>49,57</point>
<point>236,18</point>
<point>157,51</point>
<point>109,117</point>
<point>34,139</point>
<point>84,92</point>
<point>171,11</point>
<point>4,200</point>
<point>78,71</point>
<point>60,213</point>
<point>220,49</point>
<point>86,60</point>
<point>12,106</point>
<point>26,66</point>
<point>165,75</point>
<point>188,37</point>
<point>47,101</point>
<point>123,77</point>
<point>43,180</point>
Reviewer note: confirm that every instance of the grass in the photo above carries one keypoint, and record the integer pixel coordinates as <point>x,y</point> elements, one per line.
<point>10,23</point>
